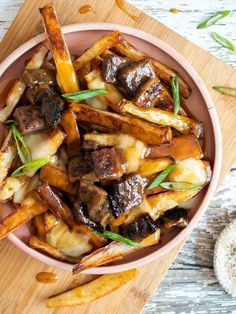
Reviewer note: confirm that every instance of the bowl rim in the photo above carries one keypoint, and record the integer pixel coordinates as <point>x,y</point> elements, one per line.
<point>216,131</point>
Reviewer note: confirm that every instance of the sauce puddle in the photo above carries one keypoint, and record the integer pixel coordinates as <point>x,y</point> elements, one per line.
<point>46,277</point>
<point>85,9</point>
<point>121,5</point>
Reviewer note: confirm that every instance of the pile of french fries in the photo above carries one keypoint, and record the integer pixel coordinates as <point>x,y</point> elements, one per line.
<point>151,138</point>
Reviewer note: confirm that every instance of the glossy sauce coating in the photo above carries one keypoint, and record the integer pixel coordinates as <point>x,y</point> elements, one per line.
<point>121,5</point>
<point>46,277</point>
<point>85,9</point>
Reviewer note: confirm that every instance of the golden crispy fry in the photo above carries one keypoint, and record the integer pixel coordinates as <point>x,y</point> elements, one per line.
<point>11,185</point>
<point>162,71</point>
<point>181,147</point>
<point>56,205</point>
<point>69,124</point>
<point>156,190</point>
<point>96,240</point>
<point>151,166</point>
<point>97,49</point>
<point>18,87</point>
<point>50,221</point>
<point>165,118</point>
<point>29,208</point>
<point>93,290</point>
<point>113,252</point>
<point>66,76</point>
<point>37,60</point>
<point>7,154</point>
<point>167,200</point>
<point>95,80</point>
<point>113,122</point>
<point>57,177</point>
<point>44,247</point>
<point>166,74</point>
<point>13,98</point>
<point>39,224</point>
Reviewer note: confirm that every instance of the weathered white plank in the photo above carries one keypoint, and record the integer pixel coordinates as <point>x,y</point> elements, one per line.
<point>190,285</point>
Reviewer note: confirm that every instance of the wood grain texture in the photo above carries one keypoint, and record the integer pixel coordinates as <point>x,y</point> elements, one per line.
<point>144,285</point>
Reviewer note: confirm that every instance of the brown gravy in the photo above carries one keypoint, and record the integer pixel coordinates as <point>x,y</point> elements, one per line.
<point>85,9</point>
<point>46,277</point>
<point>121,5</point>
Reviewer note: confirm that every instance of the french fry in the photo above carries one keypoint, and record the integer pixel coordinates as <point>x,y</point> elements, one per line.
<point>29,208</point>
<point>114,122</point>
<point>18,87</point>
<point>165,118</point>
<point>113,252</point>
<point>39,224</point>
<point>166,74</point>
<point>96,240</point>
<point>37,244</point>
<point>6,158</point>
<point>11,185</point>
<point>66,76</point>
<point>69,124</point>
<point>162,71</point>
<point>57,177</point>
<point>97,49</point>
<point>149,167</point>
<point>181,147</point>
<point>167,200</point>
<point>56,205</point>
<point>93,290</point>
<point>50,221</point>
<point>156,190</point>
<point>37,60</point>
<point>112,98</point>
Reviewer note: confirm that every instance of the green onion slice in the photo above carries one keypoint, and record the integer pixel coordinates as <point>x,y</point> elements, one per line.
<point>22,148</point>
<point>116,237</point>
<point>84,94</point>
<point>30,166</point>
<point>213,19</point>
<point>229,91</point>
<point>179,186</point>
<point>224,42</point>
<point>157,181</point>
<point>175,94</point>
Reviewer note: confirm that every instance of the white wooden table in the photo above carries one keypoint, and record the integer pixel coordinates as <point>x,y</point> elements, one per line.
<point>190,285</point>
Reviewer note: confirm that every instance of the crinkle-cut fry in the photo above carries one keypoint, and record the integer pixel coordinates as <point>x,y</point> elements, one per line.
<point>18,87</point>
<point>37,244</point>
<point>13,98</point>
<point>93,290</point>
<point>113,252</point>
<point>181,147</point>
<point>66,76</point>
<point>39,224</point>
<point>97,49</point>
<point>162,71</point>
<point>149,167</point>
<point>37,60</point>
<point>167,200</point>
<point>50,220</point>
<point>57,177</point>
<point>28,209</point>
<point>164,118</point>
<point>141,130</point>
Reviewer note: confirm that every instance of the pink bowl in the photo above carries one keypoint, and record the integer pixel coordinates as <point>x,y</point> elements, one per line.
<point>81,36</point>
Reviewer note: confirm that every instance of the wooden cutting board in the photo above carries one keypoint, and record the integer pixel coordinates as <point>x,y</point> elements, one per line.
<point>19,291</point>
